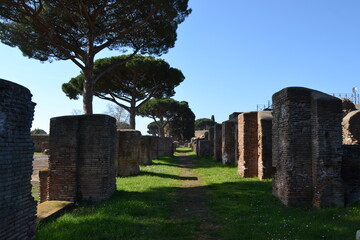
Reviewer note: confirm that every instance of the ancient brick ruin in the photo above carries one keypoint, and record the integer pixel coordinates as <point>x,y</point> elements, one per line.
<point>128,153</point>
<point>351,128</point>
<point>229,143</point>
<point>248,144</point>
<point>81,161</point>
<point>145,153</point>
<point>307,150</point>
<point>41,142</point>
<point>265,169</point>
<point>350,173</point>
<point>204,148</point>
<point>217,142</point>
<point>154,145</point>
<point>211,139</point>
<point>17,206</point>
<point>165,147</point>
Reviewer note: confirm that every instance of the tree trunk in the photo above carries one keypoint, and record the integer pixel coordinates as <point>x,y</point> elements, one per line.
<point>88,91</point>
<point>132,117</point>
<point>161,128</point>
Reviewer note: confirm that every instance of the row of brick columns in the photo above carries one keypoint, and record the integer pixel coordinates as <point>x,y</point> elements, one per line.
<point>299,144</point>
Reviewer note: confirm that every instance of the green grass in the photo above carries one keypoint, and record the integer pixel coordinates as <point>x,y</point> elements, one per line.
<point>39,153</point>
<point>246,209</point>
<point>35,191</point>
<point>141,208</point>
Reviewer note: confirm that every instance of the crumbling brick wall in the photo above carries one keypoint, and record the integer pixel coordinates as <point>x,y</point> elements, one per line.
<point>350,173</point>
<point>41,142</point>
<point>229,142</point>
<point>248,144</point>
<point>17,206</point>
<point>165,147</point>
<point>218,142</point>
<point>128,154</point>
<point>265,169</point>
<point>154,147</point>
<point>204,148</point>
<point>351,128</point>
<point>81,160</point>
<point>307,148</point>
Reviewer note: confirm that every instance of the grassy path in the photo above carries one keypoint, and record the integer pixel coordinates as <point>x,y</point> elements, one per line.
<point>192,198</point>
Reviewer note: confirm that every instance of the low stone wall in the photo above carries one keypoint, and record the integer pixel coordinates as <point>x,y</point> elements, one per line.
<point>154,147</point>
<point>350,170</point>
<point>128,154</point>
<point>81,160</point>
<point>165,147</point>
<point>17,206</point>
<point>218,142</point>
<point>41,142</point>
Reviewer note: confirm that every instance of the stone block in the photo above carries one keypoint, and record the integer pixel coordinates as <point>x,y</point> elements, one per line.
<point>128,154</point>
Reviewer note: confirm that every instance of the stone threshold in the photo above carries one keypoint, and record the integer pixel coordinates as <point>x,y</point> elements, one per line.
<point>51,209</point>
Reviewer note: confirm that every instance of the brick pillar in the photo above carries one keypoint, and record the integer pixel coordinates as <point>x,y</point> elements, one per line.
<point>44,184</point>
<point>165,147</point>
<point>265,169</point>
<point>128,155</point>
<point>204,148</point>
<point>17,206</point>
<point>307,148</point>
<point>211,139</point>
<point>154,147</point>
<point>218,142</point>
<point>82,157</point>
<point>145,158</point>
<point>228,142</point>
<point>248,144</point>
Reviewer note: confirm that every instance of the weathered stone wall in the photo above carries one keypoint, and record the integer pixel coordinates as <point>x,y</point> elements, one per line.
<point>17,206</point>
<point>202,134</point>
<point>307,148</point>
<point>41,141</point>
<point>351,128</point>
<point>350,173</point>
<point>229,142</point>
<point>82,160</point>
<point>204,148</point>
<point>218,142</point>
<point>165,147</point>
<point>234,116</point>
<point>145,154</point>
<point>128,154</point>
<point>265,169</point>
<point>248,144</point>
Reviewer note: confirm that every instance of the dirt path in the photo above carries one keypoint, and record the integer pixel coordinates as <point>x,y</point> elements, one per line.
<point>192,200</point>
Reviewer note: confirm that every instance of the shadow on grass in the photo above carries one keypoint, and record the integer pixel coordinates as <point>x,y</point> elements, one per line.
<point>167,176</point>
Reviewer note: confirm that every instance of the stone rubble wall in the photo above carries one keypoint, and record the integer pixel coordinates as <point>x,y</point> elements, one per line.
<point>17,206</point>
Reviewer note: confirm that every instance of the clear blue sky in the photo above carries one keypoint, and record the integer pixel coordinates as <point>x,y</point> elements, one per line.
<point>234,54</point>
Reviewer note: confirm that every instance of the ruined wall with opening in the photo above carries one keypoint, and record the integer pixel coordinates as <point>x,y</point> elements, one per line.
<point>17,206</point>
<point>82,158</point>
<point>307,148</point>
<point>41,142</point>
